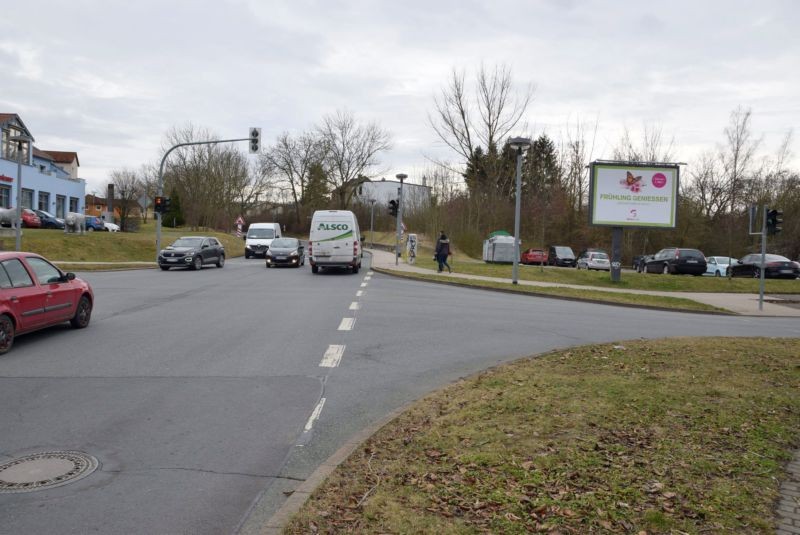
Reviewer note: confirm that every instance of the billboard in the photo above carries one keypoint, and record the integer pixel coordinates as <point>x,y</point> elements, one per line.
<point>623,194</point>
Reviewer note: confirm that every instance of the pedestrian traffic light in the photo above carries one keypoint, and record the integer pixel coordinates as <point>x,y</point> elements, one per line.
<point>158,205</point>
<point>167,204</point>
<point>255,140</point>
<point>774,221</point>
<point>393,207</point>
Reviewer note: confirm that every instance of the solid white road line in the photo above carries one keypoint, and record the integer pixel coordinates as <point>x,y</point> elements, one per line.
<point>355,305</point>
<point>363,284</point>
<point>332,356</point>
<point>347,324</point>
<point>359,293</point>
<point>314,415</point>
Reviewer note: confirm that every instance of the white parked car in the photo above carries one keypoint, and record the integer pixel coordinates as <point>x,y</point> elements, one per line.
<point>599,261</point>
<point>111,227</point>
<point>717,266</point>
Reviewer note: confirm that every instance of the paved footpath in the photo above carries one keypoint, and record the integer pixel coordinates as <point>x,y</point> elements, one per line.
<point>745,304</point>
<point>789,505</point>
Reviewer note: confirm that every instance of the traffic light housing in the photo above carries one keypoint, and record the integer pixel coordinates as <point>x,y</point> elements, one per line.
<point>158,205</point>
<point>255,140</point>
<point>393,204</point>
<point>774,221</point>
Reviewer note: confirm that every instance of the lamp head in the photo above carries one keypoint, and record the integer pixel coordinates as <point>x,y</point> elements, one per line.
<point>520,144</point>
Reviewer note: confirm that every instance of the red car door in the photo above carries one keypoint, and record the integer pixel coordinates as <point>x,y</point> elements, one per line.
<point>59,295</point>
<point>23,296</point>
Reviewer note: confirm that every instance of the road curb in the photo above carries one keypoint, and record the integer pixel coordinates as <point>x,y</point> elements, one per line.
<point>534,293</point>
<point>281,517</point>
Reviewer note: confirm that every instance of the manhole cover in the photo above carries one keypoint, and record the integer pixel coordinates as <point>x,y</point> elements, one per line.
<point>45,470</point>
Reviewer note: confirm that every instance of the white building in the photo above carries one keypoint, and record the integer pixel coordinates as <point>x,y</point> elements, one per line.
<point>382,191</point>
<point>49,178</point>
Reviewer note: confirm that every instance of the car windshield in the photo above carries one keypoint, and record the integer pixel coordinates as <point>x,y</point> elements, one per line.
<point>774,258</point>
<point>284,243</point>
<point>261,233</point>
<point>564,251</point>
<point>188,242</point>
<point>46,214</point>
<point>600,256</point>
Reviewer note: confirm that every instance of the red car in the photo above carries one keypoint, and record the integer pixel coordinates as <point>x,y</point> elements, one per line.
<point>534,256</point>
<point>35,294</point>
<point>30,219</point>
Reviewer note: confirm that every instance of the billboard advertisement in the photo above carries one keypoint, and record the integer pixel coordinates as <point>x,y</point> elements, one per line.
<point>633,195</point>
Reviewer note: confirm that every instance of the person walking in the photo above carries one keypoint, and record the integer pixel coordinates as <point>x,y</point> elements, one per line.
<point>442,252</point>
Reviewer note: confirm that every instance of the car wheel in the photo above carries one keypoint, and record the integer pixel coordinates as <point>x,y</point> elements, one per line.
<point>164,268</point>
<point>197,263</point>
<point>717,274</point>
<point>666,269</point>
<point>221,261</point>
<point>83,314</point>
<point>314,269</point>
<point>355,269</point>
<point>246,255</point>
<point>6,334</point>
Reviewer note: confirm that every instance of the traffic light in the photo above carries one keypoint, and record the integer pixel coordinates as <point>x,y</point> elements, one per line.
<point>393,207</point>
<point>255,140</point>
<point>774,221</point>
<point>167,204</point>
<point>158,205</point>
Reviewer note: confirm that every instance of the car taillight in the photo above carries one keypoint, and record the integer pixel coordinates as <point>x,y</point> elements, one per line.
<point>309,249</point>
<point>677,254</point>
<point>774,264</point>
<point>355,248</point>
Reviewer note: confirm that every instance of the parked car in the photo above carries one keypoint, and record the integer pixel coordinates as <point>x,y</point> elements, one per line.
<point>94,223</point>
<point>599,261</point>
<point>560,255</point>
<point>286,252</point>
<point>718,265</point>
<point>111,227</point>
<point>193,252</point>
<point>30,219</point>
<point>677,261</point>
<point>35,294</point>
<point>640,262</point>
<point>533,256</point>
<point>775,267</point>
<point>585,255</point>
<point>49,220</point>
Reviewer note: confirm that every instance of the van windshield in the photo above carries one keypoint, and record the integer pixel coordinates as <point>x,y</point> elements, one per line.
<point>261,233</point>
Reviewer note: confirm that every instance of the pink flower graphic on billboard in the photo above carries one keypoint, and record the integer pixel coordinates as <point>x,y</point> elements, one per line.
<point>633,183</point>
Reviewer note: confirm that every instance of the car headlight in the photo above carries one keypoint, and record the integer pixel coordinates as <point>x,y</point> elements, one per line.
<point>293,253</point>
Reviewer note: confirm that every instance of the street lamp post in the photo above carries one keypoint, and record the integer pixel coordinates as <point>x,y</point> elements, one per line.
<point>20,140</point>
<point>372,223</point>
<point>520,145</point>
<point>400,177</point>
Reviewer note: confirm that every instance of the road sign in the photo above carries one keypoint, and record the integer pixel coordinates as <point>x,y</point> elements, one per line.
<point>239,220</point>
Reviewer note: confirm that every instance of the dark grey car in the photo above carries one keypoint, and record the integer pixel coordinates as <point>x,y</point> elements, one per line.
<point>286,252</point>
<point>193,252</point>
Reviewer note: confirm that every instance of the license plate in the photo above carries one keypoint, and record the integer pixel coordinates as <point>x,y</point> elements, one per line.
<point>322,254</point>
<point>280,258</point>
<point>691,261</point>
<point>787,271</point>
<point>172,259</point>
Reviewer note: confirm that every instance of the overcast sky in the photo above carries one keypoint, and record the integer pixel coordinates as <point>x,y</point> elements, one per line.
<point>107,79</point>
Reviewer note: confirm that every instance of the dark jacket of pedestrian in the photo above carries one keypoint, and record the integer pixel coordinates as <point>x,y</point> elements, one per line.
<point>442,252</point>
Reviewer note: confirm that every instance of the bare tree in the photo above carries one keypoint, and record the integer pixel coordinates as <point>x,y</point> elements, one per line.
<point>651,146</point>
<point>707,186</point>
<point>737,154</point>
<point>292,158</point>
<point>148,175</point>
<point>350,152</point>
<point>128,188</point>
<point>499,110</point>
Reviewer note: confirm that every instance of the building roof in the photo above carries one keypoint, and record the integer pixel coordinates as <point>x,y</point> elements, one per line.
<point>63,157</point>
<point>6,118</point>
<point>42,154</point>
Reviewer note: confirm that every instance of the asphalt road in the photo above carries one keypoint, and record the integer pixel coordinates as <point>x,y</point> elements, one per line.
<point>204,395</point>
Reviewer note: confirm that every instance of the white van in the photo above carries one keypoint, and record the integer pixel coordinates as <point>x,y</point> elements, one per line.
<point>334,240</point>
<point>259,237</point>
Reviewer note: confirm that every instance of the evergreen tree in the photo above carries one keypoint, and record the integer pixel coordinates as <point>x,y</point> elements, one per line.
<point>316,194</point>
<point>174,218</point>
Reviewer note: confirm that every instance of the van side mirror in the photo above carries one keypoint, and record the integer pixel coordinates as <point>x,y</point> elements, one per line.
<point>363,239</point>
<point>244,237</point>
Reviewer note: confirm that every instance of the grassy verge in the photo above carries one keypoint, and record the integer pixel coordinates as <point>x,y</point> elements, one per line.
<point>599,296</point>
<point>667,436</point>
<point>111,246</point>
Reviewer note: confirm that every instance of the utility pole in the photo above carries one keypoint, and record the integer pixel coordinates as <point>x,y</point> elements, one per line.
<point>20,140</point>
<point>372,223</point>
<point>400,177</point>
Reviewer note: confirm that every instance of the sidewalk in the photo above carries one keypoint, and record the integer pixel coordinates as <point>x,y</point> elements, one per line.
<point>745,304</point>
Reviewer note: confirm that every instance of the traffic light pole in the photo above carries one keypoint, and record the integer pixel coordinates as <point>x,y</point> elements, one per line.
<point>763,260</point>
<point>160,191</point>
<point>401,177</point>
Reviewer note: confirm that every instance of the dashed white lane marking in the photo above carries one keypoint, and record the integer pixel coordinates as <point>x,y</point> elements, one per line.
<point>332,356</point>
<point>315,415</point>
<point>370,273</point>
<point>355,305</point>
<point>363,284</point>
<point>359,293</point>
<point>347,324</point>
<point>367,278</point>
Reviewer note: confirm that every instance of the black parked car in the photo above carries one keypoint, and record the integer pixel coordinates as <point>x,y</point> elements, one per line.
<point>192,252</point>
<point>286,252</point>
<point>561,255</point>
<point>677,261</point>
<point>49,220</point>
<point>776,267</point>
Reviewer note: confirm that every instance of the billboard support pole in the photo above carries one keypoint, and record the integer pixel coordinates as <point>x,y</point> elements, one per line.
<point>616,254</point>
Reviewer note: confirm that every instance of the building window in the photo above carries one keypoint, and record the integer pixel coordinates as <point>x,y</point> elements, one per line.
<point>44,201</point>
<point>73,204</point>
<point>5,196</point>
<point>27,198</point>
<point>61,202</point>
